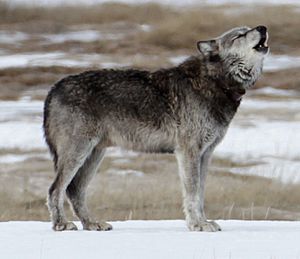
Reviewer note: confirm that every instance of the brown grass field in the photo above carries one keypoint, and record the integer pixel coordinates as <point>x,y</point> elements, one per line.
<point>156,194</point>
<point>173,28</point>
<point>173,32</point>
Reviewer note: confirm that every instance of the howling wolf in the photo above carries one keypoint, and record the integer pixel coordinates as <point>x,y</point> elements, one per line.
<point>184,109</point>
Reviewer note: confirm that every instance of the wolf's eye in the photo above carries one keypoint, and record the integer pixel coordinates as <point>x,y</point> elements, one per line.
<point>238,36</point>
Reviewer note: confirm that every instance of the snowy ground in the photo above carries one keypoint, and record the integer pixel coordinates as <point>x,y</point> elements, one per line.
<point>152,239</point>
<point>57,59</point>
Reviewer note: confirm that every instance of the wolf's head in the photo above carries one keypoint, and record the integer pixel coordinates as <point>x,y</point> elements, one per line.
<point>240,51</point>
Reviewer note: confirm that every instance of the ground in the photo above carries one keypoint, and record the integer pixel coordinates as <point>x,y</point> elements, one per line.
<point>152,239</point>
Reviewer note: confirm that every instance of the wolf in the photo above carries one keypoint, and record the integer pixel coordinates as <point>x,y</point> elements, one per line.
<point>184,110</point>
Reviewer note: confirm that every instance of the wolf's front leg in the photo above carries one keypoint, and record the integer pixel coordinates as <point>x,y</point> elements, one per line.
<point>193,170</point>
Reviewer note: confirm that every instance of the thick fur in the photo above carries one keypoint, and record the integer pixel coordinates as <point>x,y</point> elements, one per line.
<point>184,109</point>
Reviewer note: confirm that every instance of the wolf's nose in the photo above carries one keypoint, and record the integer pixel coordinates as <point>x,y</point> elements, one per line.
<point>261,29</point>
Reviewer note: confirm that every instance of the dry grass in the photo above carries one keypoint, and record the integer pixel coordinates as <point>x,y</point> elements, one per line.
<point>55,19</point>
<point>172,28</point>
<point>283,79</point>
<point>173,32</point>
<point>14,81</point>
<point>155,195</point>
<point>190,26</point>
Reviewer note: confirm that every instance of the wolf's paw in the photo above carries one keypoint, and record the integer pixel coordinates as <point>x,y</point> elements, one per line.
<point>64,226</point>
<point>206,226</point>
<point>97,226</point>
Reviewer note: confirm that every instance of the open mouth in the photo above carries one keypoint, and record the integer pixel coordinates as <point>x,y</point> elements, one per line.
<point>262,45</point>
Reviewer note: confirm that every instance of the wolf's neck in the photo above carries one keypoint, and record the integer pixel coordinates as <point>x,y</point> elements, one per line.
<point>237,70</point>
<point>231,89</point>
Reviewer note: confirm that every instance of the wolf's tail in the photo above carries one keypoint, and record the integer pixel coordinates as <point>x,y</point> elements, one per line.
<point>46,127</point>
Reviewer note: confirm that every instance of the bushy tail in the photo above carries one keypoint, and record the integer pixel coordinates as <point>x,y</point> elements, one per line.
<point>46,126</point>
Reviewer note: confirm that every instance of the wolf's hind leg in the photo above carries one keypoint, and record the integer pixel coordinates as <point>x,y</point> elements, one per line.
<point>70,158</point>
<point>76,191</point>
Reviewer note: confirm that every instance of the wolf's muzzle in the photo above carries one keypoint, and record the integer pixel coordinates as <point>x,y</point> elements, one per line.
<point>262,44</point>
<point>262,29</point>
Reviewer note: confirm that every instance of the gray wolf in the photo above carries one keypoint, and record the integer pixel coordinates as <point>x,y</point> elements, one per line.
<point>184,109</point>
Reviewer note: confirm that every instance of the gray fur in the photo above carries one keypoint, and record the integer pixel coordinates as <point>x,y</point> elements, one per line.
<point>185,109</point>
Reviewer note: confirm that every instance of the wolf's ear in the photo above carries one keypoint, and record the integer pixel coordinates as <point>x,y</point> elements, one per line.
<point>208,47</point>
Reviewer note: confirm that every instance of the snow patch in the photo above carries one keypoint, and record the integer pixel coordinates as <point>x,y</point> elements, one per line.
<point>20,110</point>
<point>82,36</point>
<point>264,139</point>
<point>119,152</point>
<point>287,171</point>
<point>270,91</point>
<point>125,172</point>
<point>152,239</point>
<point>57,59</point>
<point>17,158</point>
<point>257,104</point>
<point>272,62</point>
<point>178,59</point>
<point>145,27</point>
<point>280,62</point>
<point>24,135</point>
<point>12,37</point>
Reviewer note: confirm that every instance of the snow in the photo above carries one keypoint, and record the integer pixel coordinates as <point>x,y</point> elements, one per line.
<point>28,59</point>
<point>285,170</point>
<point>26,135</point>
<point>270,91</point>
<point>279,62</point>
<point>24,119</point>
<point>257,104</point>
<point>83,36</point>
<point>17,110</point>
<point>16,158</point>
<point>152,239</point>
<point>13,37</point>
<point>119,153</point>
<point>263,139</point>
<point>125,172</point>
<point>273,139</point>
<point>178,59</point>
<point>57,59</point>
<point>8,37</point>
<point>146,27</point>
